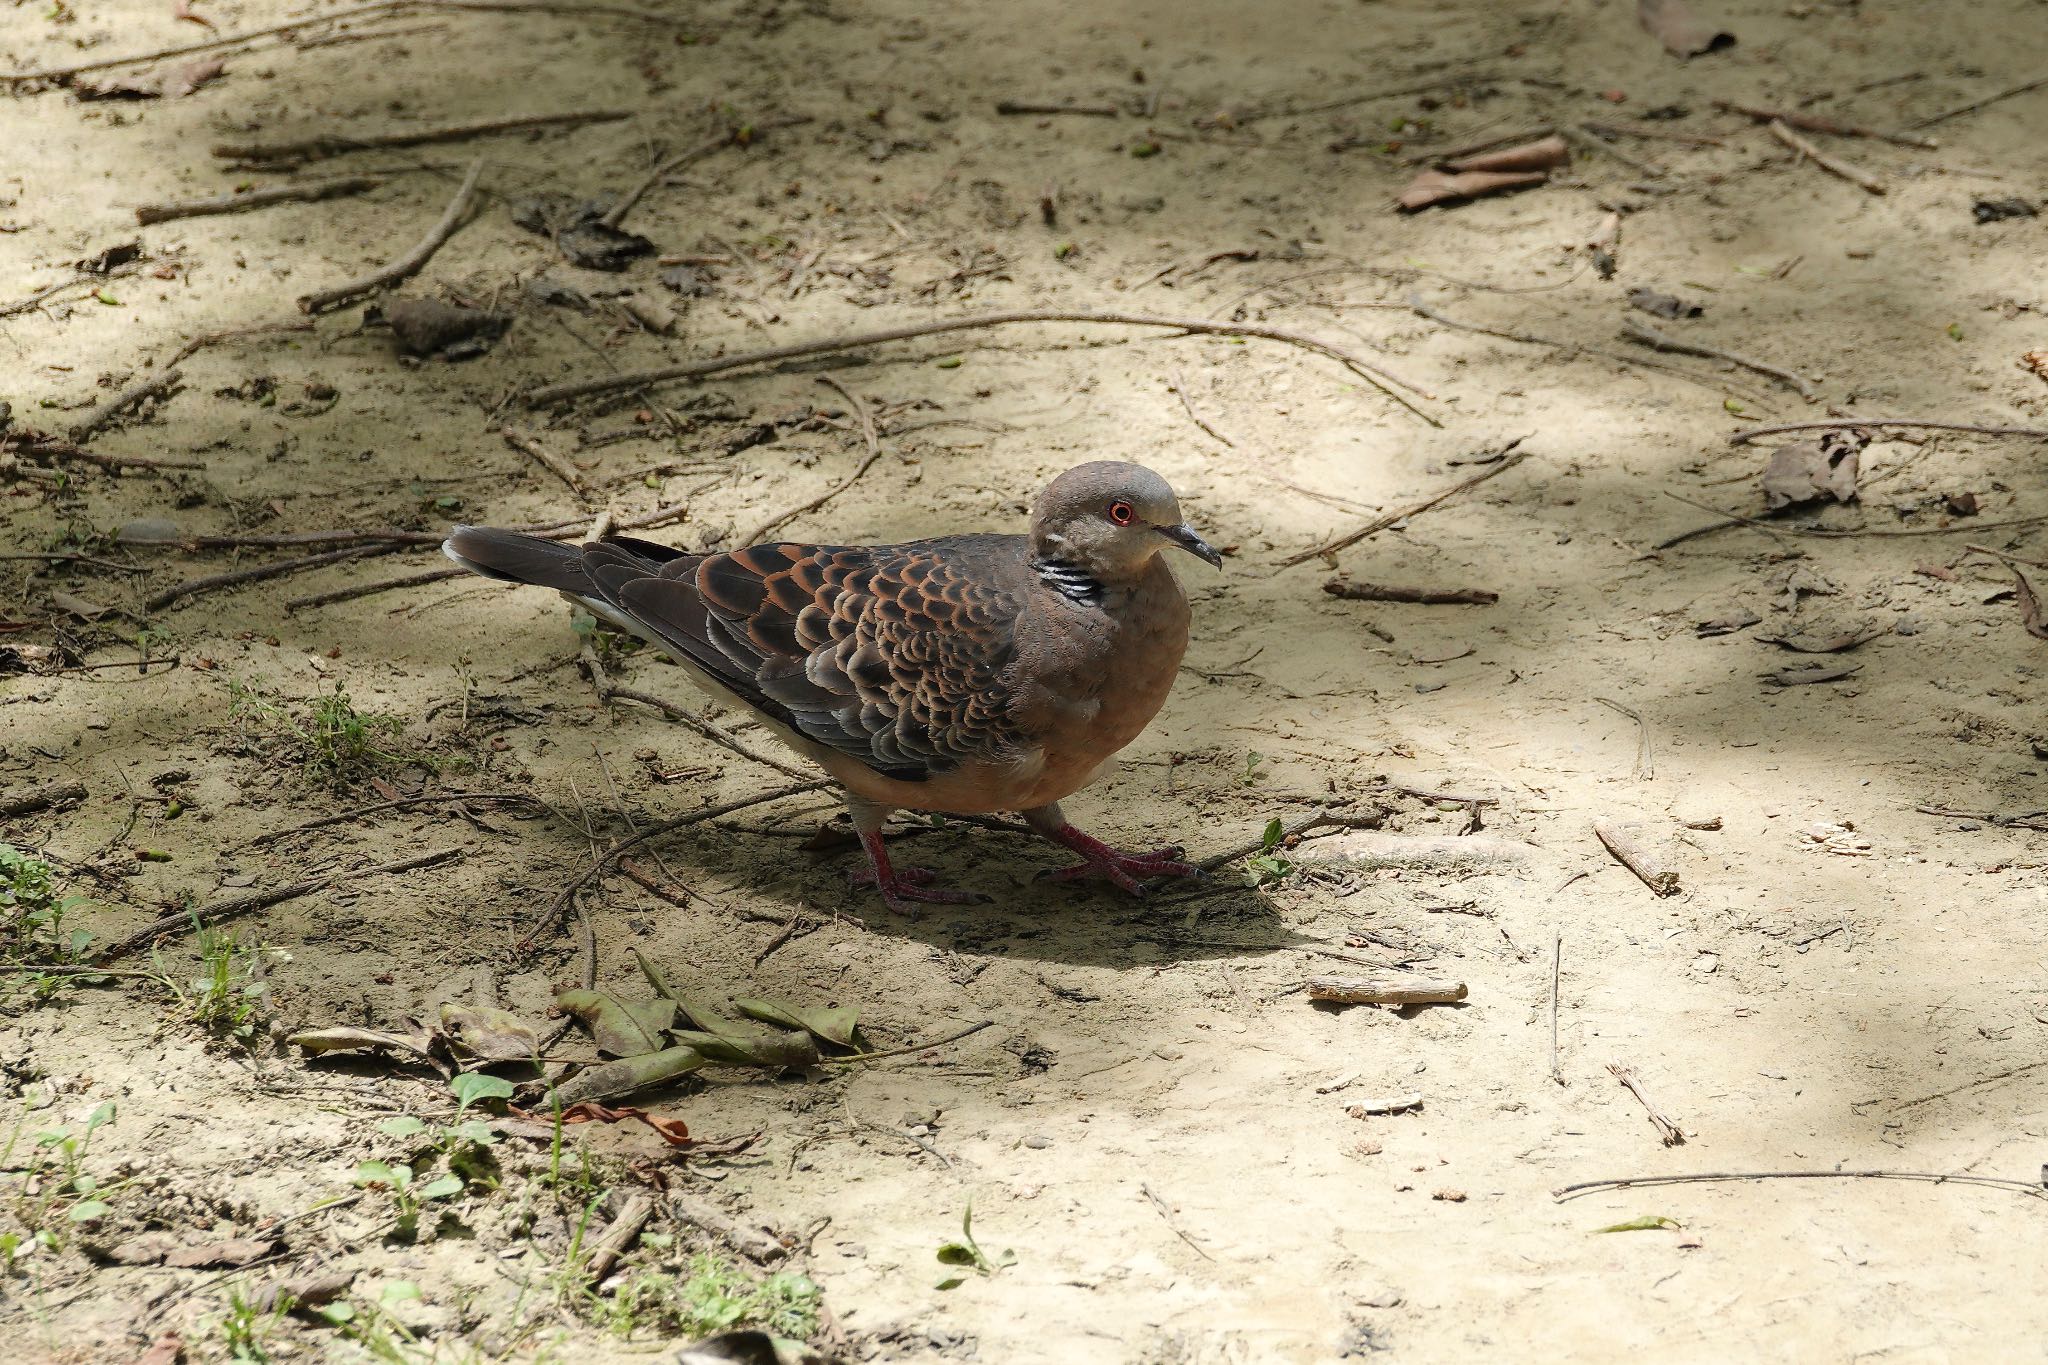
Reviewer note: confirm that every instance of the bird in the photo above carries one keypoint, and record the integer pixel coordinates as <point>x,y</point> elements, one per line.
<point>962,675</point>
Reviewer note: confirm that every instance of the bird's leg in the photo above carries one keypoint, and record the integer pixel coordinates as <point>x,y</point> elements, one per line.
<point>902,887</point>
<point>1127,871</point>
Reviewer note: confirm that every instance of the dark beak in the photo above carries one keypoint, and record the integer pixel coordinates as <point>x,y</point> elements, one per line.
<point>1184,536</point>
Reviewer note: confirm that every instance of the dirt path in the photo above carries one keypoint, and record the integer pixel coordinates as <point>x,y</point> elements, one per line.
<point>1158,1120</point>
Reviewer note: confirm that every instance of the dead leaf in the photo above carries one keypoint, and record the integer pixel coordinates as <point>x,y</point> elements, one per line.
<point>1727,623</point>
<point>1663,305</point>
<point>303,1291</point>
<point>1440,654</point>
<point>77,606</point>
<point>2035,363</point>
<point>2030,606</point>
<point>612,1079</point>
<point>1440,187</point>
<point>1541,155</point>
<point>623,1028</point>
<point>1672,23</point>
<point>238,1251</point>
<point>149,1248</point>
<point>1942,572</point>
<point>1961,504</point>
<point>1811,470</point>
<point>167,1349</point>
<point>490,1035</point>
<point>182,9</point>
<point>789,1051</point>
<point>837,1025</point>
<point>1817,673</point>
<point>1813,642</point>
<point>350,1039</point>
<point>674,1132</point>
<point>184,80</point>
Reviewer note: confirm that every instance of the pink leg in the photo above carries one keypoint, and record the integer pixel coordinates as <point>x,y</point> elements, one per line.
<point>902,888</point>
<point>1126,871</point>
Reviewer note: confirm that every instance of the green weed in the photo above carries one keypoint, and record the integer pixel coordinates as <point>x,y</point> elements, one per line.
<point>32,932</point>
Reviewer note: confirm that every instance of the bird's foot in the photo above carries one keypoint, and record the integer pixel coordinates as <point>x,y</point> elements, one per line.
<point>905,888</point>
<point>1126,871</point>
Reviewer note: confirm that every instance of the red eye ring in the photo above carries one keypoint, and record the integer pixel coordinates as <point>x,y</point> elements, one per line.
<point>1121,513</point>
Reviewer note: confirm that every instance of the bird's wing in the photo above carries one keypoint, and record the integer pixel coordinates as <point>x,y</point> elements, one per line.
<point>892,655</point>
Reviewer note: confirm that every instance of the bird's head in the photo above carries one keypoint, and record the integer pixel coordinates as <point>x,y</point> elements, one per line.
<point>1110,518</point>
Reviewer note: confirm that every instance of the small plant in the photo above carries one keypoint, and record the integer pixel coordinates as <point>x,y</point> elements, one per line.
<point>712,1296</point>
<point>227,997</point>
<point>409,1195</point>
<point>1251,774</point>
<point>1268,867</point>
<point>343,742</point>
<point>32,932</point>
<point>245,1329</point>
<point>463,1144</point>
<point>967,1254</point>
<point>55,1173</point>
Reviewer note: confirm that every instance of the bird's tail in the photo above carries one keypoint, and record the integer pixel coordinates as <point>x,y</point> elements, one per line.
<point>515,558</point>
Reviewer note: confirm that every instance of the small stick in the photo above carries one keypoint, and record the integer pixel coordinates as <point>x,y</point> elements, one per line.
<point>261,900</point>
<point>529,445</point>
<point>330,144</point>
<point>1984,103</point>
<point>328,599</point>
<point>1650,336</point>
<point>1817,123</point>
<point>1421,309</point>
<point>608,691</point>
<point>1385,1104</point>
<point>1428,597</point>
<point>64,557</point>
<point>243,201</point>
<point>200,343</point>
<point>1556,971</point>
<point>1028,107</point>
<point>1748,434</point>
<point>1652,134</point>
<point>1827,533</point>
<point>874,444</point>
<point>730,138</point>
<point>1645,766</point>
<point>1625,843</point>
<point>403,803</point>
<point>1321,819</point>
<point>57,450</point>
<point>751,1243</point>
<point>567,896</point>
<point>1179,386</point>
<point>636,1209</point>
<point>1348,990</point>
<point>155,386</point>
<point>1165,1211</point>
<point>1834,166</point>
<point>406,265</point>
<point>1512,458</point>
<point>1667,1129</point>
<point>550,394</point>
<point>8,310</point>
<point>1644,1181</point>
<point>256,573</point>
<point>2035,820</point>
<point>1585,137</point>
<point>27,800</point>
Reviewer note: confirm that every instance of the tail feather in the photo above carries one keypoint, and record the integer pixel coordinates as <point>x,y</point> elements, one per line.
<point>512,557</point>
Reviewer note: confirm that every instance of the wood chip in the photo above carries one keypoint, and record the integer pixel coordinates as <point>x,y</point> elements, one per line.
<point>1629,847</point>
<point>1347,990</point>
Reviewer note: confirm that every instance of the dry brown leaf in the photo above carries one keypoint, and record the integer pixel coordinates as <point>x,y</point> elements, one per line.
<point>1540,155</point>
<point>182,9</point>
<point>1811,470</point>
<point>1440,187</point>
<point>236,1251</point>
<point>167,1349</point>
<point>1672,23</point>
<point>2036,363</point>
<point>2030,606</point>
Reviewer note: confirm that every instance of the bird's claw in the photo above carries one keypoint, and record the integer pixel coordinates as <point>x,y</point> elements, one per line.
<point>1128,872</point>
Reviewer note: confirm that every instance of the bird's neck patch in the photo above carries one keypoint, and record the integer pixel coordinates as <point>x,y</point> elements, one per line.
<point>1070,581</point>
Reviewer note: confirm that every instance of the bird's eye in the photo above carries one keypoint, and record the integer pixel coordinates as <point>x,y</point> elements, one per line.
<point>1121,513</point>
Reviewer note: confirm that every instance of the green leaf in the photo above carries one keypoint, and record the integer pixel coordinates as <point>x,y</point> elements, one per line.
<point>788,1051</point>
<point>86,1210</point>
<point>100,1116</point>
<point>376,1173</point>
<point>1270,840</point>
<point>838,1025</point>
<point>477,1131</point>
<point>623,1028</point>
<point>473,1087</point>
<point>106,296</point>
<point>339,1312</point>
<point>951,362</point>
<point>955,1253</point>
<point>950,1282</point>
<point>399,1291</point>
<point>405,1125</point>
<point>441,1188</point>
<point>1647,1223</point>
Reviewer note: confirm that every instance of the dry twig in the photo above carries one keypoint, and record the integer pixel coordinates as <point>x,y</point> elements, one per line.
<point>407,265</point>
<point>243,201</point>
<point>1428,597</point>
<point>1645,1181</point>
<point>1650,336</point>
<point>1667,1127</point>
<point>1817,123</point>
<point>1345,990</point>
<point>1748,434</point>
<point>1855,175</point>
<point>336,144</point>
<point>28,800</point>
<point>1625,842</point>
<point>530,446</point>
<point>155,386</point>
<point>1511,458</point>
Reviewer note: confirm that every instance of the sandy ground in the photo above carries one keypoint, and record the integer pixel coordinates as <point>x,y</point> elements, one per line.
<point>1158,1120</point>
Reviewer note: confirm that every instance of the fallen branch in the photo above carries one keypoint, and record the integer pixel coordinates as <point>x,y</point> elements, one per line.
<point>736,137</point>
<point>1728,519</point>
<point>1345,990</point>
<point>1512,457</point>
<point>550,394</point>
<point>1817,123</point>
<point>1429,597</point>
<point>233,907</point>
<point>402,803</point>
<point>141,390</point>
<point>28,800</point>
<point>1385,1104</point>
<point>1650,336</point>
<point>1645,1181</point>
<point>609,692</point>
<point>57,451</point>
<point>8,310</point>
<point>1667,1128</point>
<point>407,265</point>
<point>530,446</point>
<point>244,201</point>
<point>255,573</point>
<point>1748,434</point>
<point>567,896</point>
<point>1423,310</point>
<point>1586,137</point>
<point>335,144</point>
<point>200,343</point>
<point>1855,175</point>
<point>634,1211</point>
<point>328,599</point>
<point>1626,844</point>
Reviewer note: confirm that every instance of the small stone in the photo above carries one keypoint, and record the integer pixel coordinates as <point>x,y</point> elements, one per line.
<point>1037,1143</point>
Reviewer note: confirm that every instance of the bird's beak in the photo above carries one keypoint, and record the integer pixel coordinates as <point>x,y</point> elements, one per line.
<point>1184,536</point>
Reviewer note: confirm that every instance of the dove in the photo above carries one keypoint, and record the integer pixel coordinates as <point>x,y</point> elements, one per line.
<point>964,675</point>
